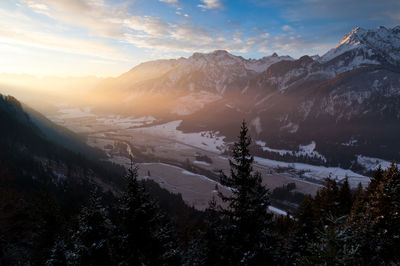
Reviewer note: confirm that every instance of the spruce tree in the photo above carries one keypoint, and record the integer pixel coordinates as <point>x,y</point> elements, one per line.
<point>345,198</point>
<point>205,249</point>
<point>378,229</point>
<point>91,241</point>
<point>249,223</point>
<point>304,228</point>
<point>333,245</point>
<point>146,236</point>
<point>213,237</point>
<point>327,201</point>
<point>357,212</point>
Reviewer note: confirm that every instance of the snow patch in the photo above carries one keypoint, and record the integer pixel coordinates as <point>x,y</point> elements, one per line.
<point>350,143</point>
<point>317,172</point>
<point>207,140</point>
<point>126,122</point>
<point>277,211</point>
<point>256,123</point>
<point>304,150</point>
<point>371,164</point>
<point>201,162</point>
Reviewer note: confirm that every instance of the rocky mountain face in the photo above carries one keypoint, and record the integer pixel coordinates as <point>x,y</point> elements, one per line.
<point>351,94</point>
<point>219,72</point>
<point>361,46</point>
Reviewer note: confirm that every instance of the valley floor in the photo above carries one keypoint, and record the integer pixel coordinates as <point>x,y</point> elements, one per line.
<point>171,158</point>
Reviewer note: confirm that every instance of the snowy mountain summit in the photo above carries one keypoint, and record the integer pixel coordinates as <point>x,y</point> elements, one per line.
<point>374,46</point>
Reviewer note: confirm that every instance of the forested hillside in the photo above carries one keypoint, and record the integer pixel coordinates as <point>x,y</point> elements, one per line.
<point>47,174</point>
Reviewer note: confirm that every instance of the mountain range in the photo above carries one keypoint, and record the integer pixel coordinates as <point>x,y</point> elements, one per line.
<point>346,101</point>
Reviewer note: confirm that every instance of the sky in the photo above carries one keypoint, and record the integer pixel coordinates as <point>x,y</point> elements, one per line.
<point>108,37</point>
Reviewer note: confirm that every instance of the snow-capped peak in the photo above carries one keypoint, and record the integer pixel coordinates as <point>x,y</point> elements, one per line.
<point>380,41</point>
<point>222,57</point>
<point>262,64</point>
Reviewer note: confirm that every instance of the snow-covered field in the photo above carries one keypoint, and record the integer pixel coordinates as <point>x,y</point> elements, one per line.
<point>304,150</point>
<point>83,120</point>
<point>317,172</point>
<point>206,140</point>
<point>212,142</point>
<point>372,164</point>
<point>125,122</point>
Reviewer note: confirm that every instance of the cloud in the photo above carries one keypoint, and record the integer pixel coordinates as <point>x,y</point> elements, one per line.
<point>295,45</point>
<point>210,4</point>
<point>265,35</point>
<point>94,15</point>
<point>287,28</point>
<point>115,22</point>
<point>187,38</point>
<point>30,38</point>
<point>182,15</point>
<point>38,7</point>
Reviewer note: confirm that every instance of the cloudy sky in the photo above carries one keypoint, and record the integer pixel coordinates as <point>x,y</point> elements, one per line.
<point>108,37</point>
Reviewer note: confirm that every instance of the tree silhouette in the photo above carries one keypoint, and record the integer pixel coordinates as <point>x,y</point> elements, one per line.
<point>248,231</point>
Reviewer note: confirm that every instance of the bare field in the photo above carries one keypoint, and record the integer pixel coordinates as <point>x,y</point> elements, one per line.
<point>195,189</point>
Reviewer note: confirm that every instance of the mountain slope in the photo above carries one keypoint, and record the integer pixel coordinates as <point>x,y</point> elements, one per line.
<point>376,46</point>
<point>349,95</point>
<point>178,83</point>
<point>333,102</point>
<point>46,174</point>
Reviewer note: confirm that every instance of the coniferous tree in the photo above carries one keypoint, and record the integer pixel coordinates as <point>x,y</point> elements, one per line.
<point>91,243</point>
<point>333,245</point>
<point>205,249</point>
<point>304,228</point>
<point>248,233</point>
<point>345,198</point>
<point>378,228</point>
<point>213,236</point>
<point>146,236</point>
<point>357,212</point>
<point>58,254</point>
<point>326,201</point>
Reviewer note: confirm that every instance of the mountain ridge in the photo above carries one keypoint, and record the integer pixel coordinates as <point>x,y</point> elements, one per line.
<point>343,95</point>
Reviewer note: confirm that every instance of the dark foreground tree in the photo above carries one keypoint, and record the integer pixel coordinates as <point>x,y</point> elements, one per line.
<point>247,230</point>
<point>89,243</point>
<point>377,222</point>
<point>205,248</point>
<point>146,237</point>
<point>333,245</point>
